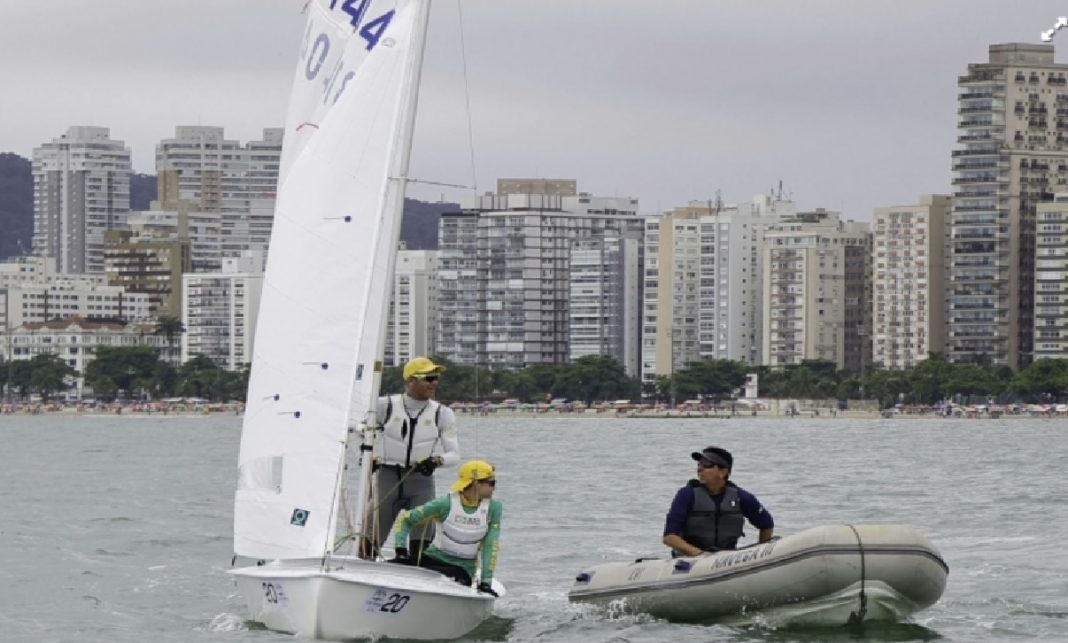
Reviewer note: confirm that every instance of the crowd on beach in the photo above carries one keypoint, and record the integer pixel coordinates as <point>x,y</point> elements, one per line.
<point>175,406</point>
<point>618,409</point>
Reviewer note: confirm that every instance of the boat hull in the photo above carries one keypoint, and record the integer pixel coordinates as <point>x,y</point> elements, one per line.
<point>356,599</point>
<point>824,575</point>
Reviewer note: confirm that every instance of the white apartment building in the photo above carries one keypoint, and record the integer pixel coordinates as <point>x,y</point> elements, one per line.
<point>202,167</point>
<point>815,270</point>
<point>219,312</point>
<point>704,271</point>
<point>1012,132</point>
<point>671,292</point>
<point>908,282</point>
<point>75,340</point>
<point>32,292</point>
<point>605,308</point>
<point>456,332</point>
<point>516,312</point>
<point>81,189</point>
<point>1051,279</point>
<point>412,307</point>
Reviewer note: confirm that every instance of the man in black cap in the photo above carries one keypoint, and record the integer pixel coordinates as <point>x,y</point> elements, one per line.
<point>708,513</point>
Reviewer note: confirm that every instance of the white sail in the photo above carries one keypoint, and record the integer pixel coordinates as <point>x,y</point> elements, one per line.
<point>331,256</point>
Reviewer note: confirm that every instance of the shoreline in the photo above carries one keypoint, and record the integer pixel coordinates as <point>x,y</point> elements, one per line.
<point>237,409</point>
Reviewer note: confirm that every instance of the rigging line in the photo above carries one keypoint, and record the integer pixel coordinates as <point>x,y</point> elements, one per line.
<point>460,186</point>
<point>467,96</point>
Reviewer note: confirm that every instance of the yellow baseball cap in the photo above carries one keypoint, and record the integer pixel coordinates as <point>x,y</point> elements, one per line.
<point>470,471</point>
<point>421,366</point>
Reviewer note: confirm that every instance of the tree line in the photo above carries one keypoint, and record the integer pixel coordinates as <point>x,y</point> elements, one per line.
<point>137,372</point>
<point>127,372</point>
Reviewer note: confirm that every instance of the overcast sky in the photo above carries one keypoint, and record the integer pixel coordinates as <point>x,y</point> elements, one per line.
<point>850,103</point>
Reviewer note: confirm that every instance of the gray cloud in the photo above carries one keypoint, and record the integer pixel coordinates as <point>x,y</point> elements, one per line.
<point>851,104</point>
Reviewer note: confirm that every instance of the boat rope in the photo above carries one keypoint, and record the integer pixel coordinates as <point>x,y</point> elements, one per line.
<point>467,96</point>
<point>442,184</point>
<point>857,617</point>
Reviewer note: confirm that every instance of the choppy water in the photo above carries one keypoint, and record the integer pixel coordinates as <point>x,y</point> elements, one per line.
<point>118,529</point>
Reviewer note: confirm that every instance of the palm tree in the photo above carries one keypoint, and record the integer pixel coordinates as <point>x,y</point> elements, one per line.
<point>170,327</point>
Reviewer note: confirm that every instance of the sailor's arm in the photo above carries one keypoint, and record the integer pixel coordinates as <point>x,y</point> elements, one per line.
<point>491,544</point>
<point>450,444</point>
<point>676,542</point>
<point>438,508</point>
<point>676,520</point>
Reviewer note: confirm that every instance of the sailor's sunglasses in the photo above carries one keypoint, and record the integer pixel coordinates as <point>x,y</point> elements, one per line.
<point>491,482</point>
<point>426,378</point>
<point>709,465</point>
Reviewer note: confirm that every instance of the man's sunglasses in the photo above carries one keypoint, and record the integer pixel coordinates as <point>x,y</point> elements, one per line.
<point>426,378</point>
<point>709,465</point>
<point>492,483</point>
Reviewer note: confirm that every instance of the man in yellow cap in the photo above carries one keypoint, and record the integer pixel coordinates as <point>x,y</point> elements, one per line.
<point>418,435</point>
<point>469,537</point>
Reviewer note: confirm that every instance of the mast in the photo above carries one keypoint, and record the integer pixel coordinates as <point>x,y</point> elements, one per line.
<point>386,255</point>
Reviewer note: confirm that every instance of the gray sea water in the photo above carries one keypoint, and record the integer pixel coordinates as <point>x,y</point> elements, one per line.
<point>118,528</point>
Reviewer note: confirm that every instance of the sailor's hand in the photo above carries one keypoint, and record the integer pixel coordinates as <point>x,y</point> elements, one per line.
<point>426,466</point>
<point>487,588</point>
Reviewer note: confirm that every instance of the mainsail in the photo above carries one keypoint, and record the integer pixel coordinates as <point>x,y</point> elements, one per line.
<point>333,244</point>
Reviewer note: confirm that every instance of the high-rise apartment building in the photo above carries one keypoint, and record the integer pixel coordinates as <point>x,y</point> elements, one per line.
<point>816,300</point>
<point>908,282</point>
<point>1051,279</point>
<point>518,246</point>
<point>214,174</point>
<point>413,307</point>
<point>703,297</point>
<point>1013,154</point>
<point>81,189</point>
<point>220,309</point>
<point>604,304</point>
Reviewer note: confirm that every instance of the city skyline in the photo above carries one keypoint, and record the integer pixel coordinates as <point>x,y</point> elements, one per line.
<point>851,106</point>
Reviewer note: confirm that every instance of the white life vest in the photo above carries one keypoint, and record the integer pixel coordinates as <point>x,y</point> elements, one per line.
<point>404,444</point>
<point>461,533</point>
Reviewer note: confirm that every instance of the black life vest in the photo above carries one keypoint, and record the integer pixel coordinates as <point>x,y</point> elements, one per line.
<point>714,522</point>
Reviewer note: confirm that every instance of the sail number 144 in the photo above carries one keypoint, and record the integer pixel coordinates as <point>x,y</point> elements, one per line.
<point>370,31</point>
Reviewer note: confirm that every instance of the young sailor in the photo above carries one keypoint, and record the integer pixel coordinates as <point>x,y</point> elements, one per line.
<point>470,528</point>
<point>708,513</point>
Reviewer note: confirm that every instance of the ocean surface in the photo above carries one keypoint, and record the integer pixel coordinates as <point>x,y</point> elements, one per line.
<point>118,528</point>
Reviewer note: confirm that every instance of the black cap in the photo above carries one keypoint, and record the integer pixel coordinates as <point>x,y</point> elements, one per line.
<point>714,455</point>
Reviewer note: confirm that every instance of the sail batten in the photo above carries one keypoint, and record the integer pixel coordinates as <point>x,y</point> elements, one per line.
<point>325,291</point>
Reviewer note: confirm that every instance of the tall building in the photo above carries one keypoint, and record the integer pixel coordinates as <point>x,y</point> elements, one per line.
<point>703,297</point>
<point>1013,154</point>
<point>815,303</point>
<point>211,173</point>
<point>670,297</point>
<point>81,189</point>
<point>218,174</point>
<point>412,307</point>
<point>219,312</point>
<point>516,312</point>
<point>908,282</point>
<point>1051,279</point>
<point>605,309</point>
<point>456,333</point>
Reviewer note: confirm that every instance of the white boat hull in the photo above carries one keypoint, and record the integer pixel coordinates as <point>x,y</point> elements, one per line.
<point>824,575</point>
<point>357,599</point>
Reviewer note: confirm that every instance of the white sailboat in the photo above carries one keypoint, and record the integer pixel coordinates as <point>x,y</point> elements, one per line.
<point>316,370</point>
